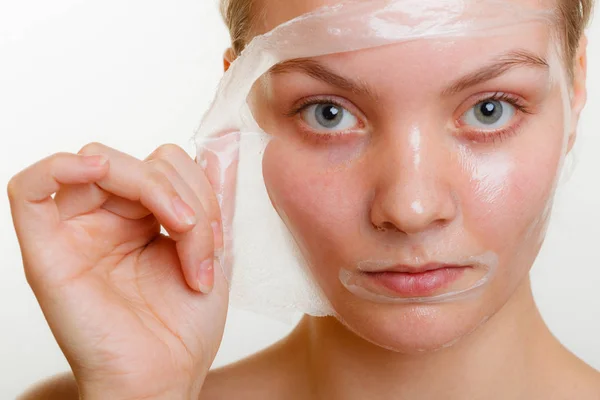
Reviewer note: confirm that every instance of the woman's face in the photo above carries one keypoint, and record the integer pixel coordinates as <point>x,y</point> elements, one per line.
<point>390,161</point>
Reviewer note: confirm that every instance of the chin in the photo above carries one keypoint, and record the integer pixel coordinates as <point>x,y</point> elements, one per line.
<point>414,328</point>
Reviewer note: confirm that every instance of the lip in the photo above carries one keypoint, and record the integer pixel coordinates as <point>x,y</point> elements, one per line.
<point>416,281</point>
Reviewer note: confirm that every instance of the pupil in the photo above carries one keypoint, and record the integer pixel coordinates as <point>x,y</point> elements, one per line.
<point>330,113</point>
<point>488,109</point>
<point>489,112</point>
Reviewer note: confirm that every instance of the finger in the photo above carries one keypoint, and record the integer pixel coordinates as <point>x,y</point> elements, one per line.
<point>203,200</point>
<point>130,179</point>
<point>126,208</point>
<point>196,179</point>
<point>195,248</point>
<point>75,200</point>
<point>219,158</point>
<point>30,192</point>
<point>159,188</point>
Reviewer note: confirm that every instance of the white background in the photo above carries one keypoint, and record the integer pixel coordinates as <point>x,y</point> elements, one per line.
<point>134,74</point>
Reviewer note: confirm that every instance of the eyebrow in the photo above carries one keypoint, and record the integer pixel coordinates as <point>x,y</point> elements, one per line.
<point>322,73</point>
<point>502,64</point>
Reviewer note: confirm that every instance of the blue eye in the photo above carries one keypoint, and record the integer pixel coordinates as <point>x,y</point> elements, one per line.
<point>489,114</point>
<point>328,117</point>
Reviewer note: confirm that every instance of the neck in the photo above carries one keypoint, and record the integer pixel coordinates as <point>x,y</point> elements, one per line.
<point>490,363</point>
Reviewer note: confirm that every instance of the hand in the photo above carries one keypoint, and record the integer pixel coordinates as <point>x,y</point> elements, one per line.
<point>122,300</point>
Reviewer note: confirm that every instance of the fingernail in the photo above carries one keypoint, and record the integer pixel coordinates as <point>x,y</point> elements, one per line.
<point>206,277</point>
<point>217,235</point>
<point>184,212</point>
<point>95,161</point>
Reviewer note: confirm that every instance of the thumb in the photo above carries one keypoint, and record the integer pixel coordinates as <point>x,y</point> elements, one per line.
<point>219,157</point>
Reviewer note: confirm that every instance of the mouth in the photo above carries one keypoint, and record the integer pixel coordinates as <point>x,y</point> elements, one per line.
<point>416,281</point>
<point>432,282</point>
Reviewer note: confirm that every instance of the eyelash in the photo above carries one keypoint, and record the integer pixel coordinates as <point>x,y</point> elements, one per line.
<point>322,137</point>
<point>501,134</point>
<point>474,136</point>
<point>310,101</point>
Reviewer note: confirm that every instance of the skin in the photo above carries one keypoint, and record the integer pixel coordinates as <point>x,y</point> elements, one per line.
<point>498,338</point>
<point>373,177</point>
<point>108,281</point>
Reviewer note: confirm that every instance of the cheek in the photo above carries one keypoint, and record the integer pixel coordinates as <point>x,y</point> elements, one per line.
<point>510,194</point>
<point>317,203</point>
<point>504,196</point>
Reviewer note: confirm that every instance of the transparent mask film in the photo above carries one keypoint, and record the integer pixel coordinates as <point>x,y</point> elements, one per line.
<point>358,150</point>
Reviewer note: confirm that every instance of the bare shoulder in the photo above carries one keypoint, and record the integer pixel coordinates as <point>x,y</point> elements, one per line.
<point>270,374</point>
<point>244,380</point>
<point>587,383</point>
<point>59,387</point>
<point>249,379</point>
<point>257,377</point>
<point>573,379</point>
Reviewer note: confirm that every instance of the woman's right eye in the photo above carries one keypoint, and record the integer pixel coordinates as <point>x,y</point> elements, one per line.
<point>328,118</point>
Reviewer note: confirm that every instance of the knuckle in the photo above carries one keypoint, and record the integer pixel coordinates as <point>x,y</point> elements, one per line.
<point>55,159</point>
<point>159,166</point>
<point>19,180</point>
<point>92,149</point>
<point>12,188</point>
<point>30,277</point>
<point>157,174</point>
<point>168,150</point>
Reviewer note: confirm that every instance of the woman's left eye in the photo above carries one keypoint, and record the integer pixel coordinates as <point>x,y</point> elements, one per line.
<point>328,117</point>
<point>489,114</point>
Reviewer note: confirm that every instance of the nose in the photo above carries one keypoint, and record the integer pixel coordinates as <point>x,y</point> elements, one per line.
<point>413,183</point>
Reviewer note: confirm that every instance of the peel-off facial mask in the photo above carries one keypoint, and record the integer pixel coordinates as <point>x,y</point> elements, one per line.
<point>288,156</point>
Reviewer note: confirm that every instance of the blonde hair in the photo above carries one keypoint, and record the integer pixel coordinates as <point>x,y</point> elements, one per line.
<point>239,19</point>
<point>574,16</point>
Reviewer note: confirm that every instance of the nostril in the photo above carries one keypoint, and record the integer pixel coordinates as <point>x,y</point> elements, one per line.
<point>386,227</point>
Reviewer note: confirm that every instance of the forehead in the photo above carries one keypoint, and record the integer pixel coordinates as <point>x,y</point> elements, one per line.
<point>414,70</point>
<point>529,43</point>
<point>271,13</point>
